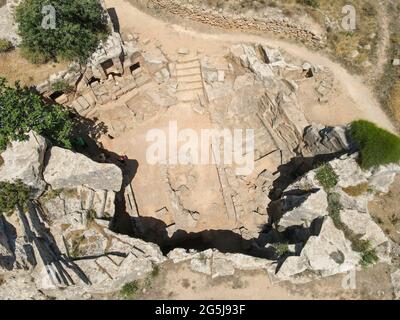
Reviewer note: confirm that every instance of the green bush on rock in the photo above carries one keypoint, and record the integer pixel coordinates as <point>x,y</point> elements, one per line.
<point>377,146</point>
<point>327,177</point>
<point>13,195</point>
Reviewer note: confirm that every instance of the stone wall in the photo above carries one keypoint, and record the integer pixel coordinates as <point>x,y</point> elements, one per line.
<point>281,27</point>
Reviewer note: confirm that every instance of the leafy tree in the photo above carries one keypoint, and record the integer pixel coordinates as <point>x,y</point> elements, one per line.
<point>377,146</point>
<point>23,110</point>
<point>79,26</point>
<point>12,196</point>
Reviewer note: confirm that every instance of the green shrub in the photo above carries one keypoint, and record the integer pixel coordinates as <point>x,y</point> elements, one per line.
<point>22,110</point>
<point>282,249</point>
<point>334,208</point>
<point>368,255</point>
<point>50,195</point>
<point>91,215</point>
<point>377,146</point>
<point>311,3</point>
<point>129,290</point>
<point>369,258</point>
<point>62,86</point>
<point>5,45</point>
<point>79,27</point>
<point>13,195</point>
<point>327,177</point>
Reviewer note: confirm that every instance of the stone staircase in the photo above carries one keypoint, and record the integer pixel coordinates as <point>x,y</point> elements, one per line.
<point>190,80</point>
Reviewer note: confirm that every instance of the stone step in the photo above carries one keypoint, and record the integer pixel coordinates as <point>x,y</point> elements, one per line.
<point>191,78</point>
<point>188,65</point>
<point>183,86</point>
<point>188,72</point>
<point>187,59</point>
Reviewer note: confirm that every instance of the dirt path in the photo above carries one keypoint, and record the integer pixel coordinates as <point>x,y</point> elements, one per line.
<point>178,281</point>
<point>173,35</point>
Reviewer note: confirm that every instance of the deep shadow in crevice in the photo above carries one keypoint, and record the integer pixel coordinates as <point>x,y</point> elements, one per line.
<point>226,241</point>
<point>296,168</point>
<point>299,235</point>
<point>114,19</point>
<point>48,248</point>
<point>7,262</point>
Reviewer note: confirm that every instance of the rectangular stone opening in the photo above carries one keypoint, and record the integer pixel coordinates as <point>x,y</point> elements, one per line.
<point>55,95</point>
<point>134,67</point>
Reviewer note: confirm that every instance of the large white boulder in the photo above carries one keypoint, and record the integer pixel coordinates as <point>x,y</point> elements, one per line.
<point>349,172</point>
<point>67,169</point>
<point>23,160</point>
<point>302,210</point>
<point>383,176</point>
<point>327,254</point>
<point>246,56</point>
<point>319,139</point>
<point>361,224</point>
<point>217,264</point>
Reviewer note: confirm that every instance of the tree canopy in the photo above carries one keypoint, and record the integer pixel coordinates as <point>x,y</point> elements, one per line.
<point>23,110</point>
<point>79,27</point>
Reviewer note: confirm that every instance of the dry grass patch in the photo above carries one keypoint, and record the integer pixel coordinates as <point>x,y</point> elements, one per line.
<point>358,190</point>
<point>385,211</point>
<point>388,86</point>
<point>341,43</point>
<point>395,100</point>
<point>14,67</point>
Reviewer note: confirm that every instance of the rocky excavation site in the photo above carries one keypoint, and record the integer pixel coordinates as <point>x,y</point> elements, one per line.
<point>308,220</point>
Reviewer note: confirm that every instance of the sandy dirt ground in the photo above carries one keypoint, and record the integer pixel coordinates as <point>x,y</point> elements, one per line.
<point>15,67</point>
<point>152,197</point>
<point>359,102</point>
<point>178,281</point>
<point>385,210</point>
